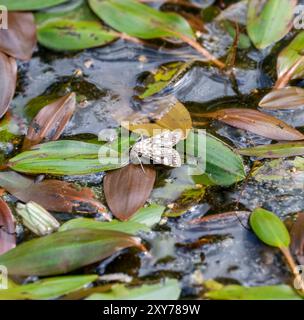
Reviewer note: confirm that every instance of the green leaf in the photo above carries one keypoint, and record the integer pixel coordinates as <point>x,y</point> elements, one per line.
<point>67,157</point>
<point>169,290</point>
<point>50,288</point>
<point>22,5</point>
<point>269,228</point>
<point>269,20</point>
<point>143,220</point>
<point>235,292</point>
<point>66,251</point>
<point>290,56</point>
<point>139,20</point>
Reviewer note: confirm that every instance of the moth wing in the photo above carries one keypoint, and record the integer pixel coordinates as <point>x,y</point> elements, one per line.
<point>166,156</point>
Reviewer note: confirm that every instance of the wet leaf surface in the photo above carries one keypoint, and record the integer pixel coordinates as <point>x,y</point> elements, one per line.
<point>7,228</point>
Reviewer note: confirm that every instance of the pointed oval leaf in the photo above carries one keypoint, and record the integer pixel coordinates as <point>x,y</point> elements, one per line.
<point>53,195</point>
<point>269,228</point>
<point>139,20</point>
<point>297,238</point>
<point>50,121</point>
<point>268,21</point>
<point>24,5</point>
<point>19,40</point>
<point>285,98</point>
<point>50,288</point>
<point>66,251</point>
<point>7,228</point>
<point>8,71</point>
<point>256,122</point>
<point>127,189</point>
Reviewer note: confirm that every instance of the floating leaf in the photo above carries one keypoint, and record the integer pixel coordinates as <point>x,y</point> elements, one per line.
<point>8,71</point>
<point>285,98</point>
<point>256,122</point>
<point>53,195</point>
<point>50,288</point>
<point>290,56</point>
<point>139,20</point>
<point>278,150</point>
<point>269,228</point>
<point>7,228</point>
<point>50,121</point>
<point>19,40</point>
<point>65,251</point>
<point>168,290</point>
<point>143,220</point>
<point>127,189</point>
<point>67,157</point>
<point>30,4</point>
<point>269,20</point>
<point>297,238</point>
<point>236,292</point>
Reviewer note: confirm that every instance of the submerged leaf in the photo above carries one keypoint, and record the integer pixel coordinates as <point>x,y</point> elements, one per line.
<point>8,71</point>
<point>66,251</point>
<point>30,4</point>
<point>127,189</point>
<point>7,228</point>
<point>19,40</point>
<point>50,121</point>
<point>297,238</point>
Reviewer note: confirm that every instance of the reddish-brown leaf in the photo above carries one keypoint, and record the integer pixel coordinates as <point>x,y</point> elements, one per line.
<point>8,73</point>
<point>53,195</point>
<point>50,121</point>
<point>256,122</point>
<point>127,189</point>
<point>297,238</point>
<point>7,228</point>
<point>19,40</point>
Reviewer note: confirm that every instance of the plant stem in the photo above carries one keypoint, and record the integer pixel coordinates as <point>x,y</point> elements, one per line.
<point>291,263</point>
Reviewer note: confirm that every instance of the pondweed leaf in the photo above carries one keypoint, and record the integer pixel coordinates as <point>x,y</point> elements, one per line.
<point>50,288</point>
<point>21,5</point>
<point>8,71</point>
<point>50,121</point>
<point>297,238</point>
<point>7,228</point>
<point>65,251</point>
<point>53,195</point>
<point>269,20</point>
<point>269,228</point>
<point>167,290</point>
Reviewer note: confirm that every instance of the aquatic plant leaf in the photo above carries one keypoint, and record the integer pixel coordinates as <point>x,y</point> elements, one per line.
<point>278,150</point>
<point>62,34</point>
<point>8,71</point>
<point>269,228</point>
<point>19,40</point>
<point>139,20</point>
<point>49,288</point>
<point>256,122</point>
<point>167,290</point>
<point>284,98</point>
<point>62,252</point>
<point>290,56</point>
<point>67,157</point>
<point>297,238</point>
<point>22,5</point>
<point>143,220</point>
<point>127,189</point>
<point>236,292</point>
<point>268,21</point>
<point>53,195</point>
<point>7,228</point>
<point>50,121</point>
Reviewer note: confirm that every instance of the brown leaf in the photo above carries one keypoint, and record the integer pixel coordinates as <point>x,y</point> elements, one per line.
<point>19,40</point>
<point>297,238</point>
<point>8,72</point>
<point>7,228</point>
<point>53,195</point>
<point>256,122</point>
<point>127,189</point>
<point>285,98</point>
<point>50,121</point>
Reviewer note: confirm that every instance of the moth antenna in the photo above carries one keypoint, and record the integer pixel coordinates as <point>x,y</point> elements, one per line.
<point>140,162</point>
